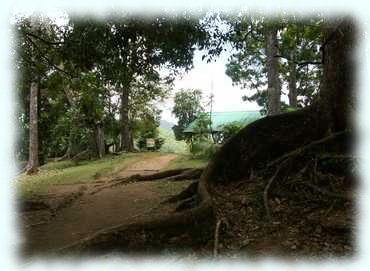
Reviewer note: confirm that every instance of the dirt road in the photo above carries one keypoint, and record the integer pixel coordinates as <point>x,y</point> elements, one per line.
<point>92,212</point>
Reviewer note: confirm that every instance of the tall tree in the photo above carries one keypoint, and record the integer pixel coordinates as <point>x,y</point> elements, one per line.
<point>300,54</point>
<point>273,83</point>
<point>188,105</point>
<point>33,158</point>
<point>34,36</point>
<point>296,53</point>
<point>129,46</point>
<point>336,95</point>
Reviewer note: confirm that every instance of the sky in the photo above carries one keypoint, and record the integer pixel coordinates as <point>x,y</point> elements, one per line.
<point>226,96</point>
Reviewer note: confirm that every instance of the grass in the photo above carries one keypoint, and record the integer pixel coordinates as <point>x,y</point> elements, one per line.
<point>187,161</point>
<point>66,172</point>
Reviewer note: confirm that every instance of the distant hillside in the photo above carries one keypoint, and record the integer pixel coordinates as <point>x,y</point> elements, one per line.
<point>166,125</point>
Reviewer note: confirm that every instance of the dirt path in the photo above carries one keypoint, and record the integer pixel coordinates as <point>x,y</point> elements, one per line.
<point>93,212</point>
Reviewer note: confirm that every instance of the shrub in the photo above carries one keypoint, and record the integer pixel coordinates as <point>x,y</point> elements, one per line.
<point>203,148</point>
<point>230,129</point>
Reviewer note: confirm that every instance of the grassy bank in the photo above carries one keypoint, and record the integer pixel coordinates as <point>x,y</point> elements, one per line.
<point>67,172</point>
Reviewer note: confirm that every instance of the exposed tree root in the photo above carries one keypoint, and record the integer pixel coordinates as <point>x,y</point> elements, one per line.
<point>265,194</point>
<point>308,191</point>
<point>187,204</point>
<point>179,231</point>
<point>188,192</point>
<point>84,155</point>
<point>284,170</point>
<point>216,238</point>
<point>191,174</point>
<point>336,144</point>
<point>180,174</point>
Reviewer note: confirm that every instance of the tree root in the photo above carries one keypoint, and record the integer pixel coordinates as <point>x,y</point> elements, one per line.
<point>169,175</point>
<point>179,230</point>
<point>216,238</point>
<point>183,230</point>
<point>265,195</point>
<point>188,192</point>
<point>191,174</point>
<point>188,203</point>
<point>327,193</point>
<point>320,145</point>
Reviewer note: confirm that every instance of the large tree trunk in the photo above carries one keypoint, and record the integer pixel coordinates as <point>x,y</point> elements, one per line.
<point>338,77</point>
<point>273,88</point>
<point>41,146</point>
<point>125,129</point>
<point>33,158</point>
<point>99,140</point>
<point>292,80</point>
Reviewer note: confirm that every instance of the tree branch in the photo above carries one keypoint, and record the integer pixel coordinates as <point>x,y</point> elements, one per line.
<point>42,39</point>
<point>303,63</point>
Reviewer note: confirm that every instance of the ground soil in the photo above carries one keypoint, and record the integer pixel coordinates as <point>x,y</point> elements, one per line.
<point>76,211</point>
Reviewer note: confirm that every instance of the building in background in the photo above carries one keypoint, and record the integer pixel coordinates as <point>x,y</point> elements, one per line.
<point>219,121</point>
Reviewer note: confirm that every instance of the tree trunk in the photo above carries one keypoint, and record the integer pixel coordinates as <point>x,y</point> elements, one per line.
<point>292,80</point>
<point>338,80</point>
<point>131,141</point>
<point>40,130</point>
<point>125,130</point>
<point>99,140</point>
<point>33,158</point>
<point>273,87</point>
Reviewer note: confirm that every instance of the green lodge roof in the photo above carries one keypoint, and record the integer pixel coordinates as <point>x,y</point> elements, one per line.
<point>219,119</point>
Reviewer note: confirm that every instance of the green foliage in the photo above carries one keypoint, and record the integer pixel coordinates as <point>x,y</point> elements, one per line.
<point>148,128</point>
<point>247,66</point>
<point>201,145</point>
<point>84,65</point>
<point>203,148</point>
<point>171,145</point>
<point>188,104</point>
<point>202,126</point>
<point>231,129</point>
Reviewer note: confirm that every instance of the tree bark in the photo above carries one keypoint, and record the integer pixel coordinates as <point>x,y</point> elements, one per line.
<point>33,158</point>
<point>292,81</point>
<point>125,129</point>
<point>40,130</point>
<point>338,80</point>
<point>273,85</point>
<point>99,140</point>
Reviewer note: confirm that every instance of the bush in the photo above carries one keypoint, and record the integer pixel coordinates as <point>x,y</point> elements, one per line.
<point>171,145</point>
<point>203,148</point>
<point>230,129</point>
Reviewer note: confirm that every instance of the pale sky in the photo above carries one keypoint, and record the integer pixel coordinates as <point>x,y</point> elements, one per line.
<point>226,96</point>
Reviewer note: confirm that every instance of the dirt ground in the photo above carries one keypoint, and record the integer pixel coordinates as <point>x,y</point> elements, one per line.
<point>77,211</point>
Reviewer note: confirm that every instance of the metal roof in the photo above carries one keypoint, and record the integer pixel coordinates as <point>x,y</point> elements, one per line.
<point>219,119</point>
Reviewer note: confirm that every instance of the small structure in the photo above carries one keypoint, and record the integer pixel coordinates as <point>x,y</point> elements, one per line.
<point>220,119</point>
<point>150,143</point>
